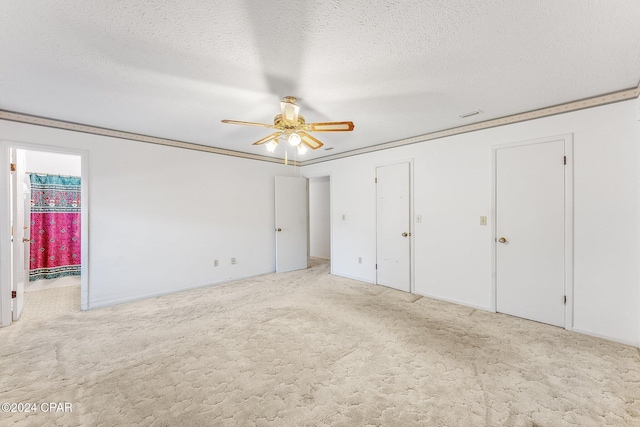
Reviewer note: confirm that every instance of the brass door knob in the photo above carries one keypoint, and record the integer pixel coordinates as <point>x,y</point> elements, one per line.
<point>25,240</point>
<point>502,240</point>
<point>279,229</point>
<point>406,234</point>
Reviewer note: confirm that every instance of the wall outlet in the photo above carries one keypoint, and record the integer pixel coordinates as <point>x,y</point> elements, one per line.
<point>483,220</point>
<point>215,262</point>
<point>233,260</point>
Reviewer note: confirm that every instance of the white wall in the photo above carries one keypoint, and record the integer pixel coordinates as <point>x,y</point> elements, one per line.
<point>319,223</point>
<point>159,215</point>
<point>452,189</point>
<point>53,163</point>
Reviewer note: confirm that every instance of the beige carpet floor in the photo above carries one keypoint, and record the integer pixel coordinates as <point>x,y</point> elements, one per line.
<point>310,349</point>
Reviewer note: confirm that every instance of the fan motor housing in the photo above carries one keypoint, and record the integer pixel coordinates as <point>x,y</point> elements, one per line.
<point>280,123</point>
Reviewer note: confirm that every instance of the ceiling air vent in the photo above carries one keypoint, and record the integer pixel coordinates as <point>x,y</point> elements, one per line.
<point>469,114</point>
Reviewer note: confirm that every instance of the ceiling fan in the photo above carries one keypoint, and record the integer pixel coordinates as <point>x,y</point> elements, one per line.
<point>292,126</point>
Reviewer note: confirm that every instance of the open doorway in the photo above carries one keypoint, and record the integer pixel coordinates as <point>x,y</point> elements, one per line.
<point>320,218</point>
<point>46,201</point>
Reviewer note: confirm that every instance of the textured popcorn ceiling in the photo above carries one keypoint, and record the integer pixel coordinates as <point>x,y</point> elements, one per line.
<point>397,69</point>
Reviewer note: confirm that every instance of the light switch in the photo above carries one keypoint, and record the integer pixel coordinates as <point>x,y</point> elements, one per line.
<point>418,219</point>
<point>344,217</point>
<point>483,220</point>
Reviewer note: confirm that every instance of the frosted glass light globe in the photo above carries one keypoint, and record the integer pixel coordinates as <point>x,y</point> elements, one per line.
<point>294,139</point>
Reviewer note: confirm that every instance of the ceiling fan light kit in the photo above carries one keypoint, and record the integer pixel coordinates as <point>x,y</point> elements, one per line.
<point>291,125</point>
<point>271,145</point>
<point>294,139</point>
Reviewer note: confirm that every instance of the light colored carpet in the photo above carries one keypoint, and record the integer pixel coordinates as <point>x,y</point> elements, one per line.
<point>310,349</point>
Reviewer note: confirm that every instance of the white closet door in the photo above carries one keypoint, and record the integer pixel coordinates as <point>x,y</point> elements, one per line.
<point>530,247</point>
<point>292,219</point>
<point>393,227</point>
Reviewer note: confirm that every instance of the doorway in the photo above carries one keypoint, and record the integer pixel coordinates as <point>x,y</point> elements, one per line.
<point>533,230</point>
<point>393,226</point>
<point>44,288</point>
<point>320,218</point>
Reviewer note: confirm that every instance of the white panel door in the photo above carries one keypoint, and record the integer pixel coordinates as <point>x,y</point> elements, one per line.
<point>20,266</point>
<point>530,244</point>
<point>393,226</point>
<point>292,223</point>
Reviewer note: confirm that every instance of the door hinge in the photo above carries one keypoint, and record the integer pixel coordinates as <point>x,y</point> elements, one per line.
<point>565,160</point>
<point>13,167</point>
<point>14,294</point>
<point>565,299</point>
<point>376,180</point>
<point>376,266</point>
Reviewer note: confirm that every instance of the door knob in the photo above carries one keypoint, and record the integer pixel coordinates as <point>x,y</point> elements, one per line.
<point>406,234</point>
<point>279,229</point>
<point>24,239</point>
<point>502,240</point>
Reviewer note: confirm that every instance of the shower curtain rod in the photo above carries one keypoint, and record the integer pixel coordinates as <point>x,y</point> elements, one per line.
<point>54,174</point>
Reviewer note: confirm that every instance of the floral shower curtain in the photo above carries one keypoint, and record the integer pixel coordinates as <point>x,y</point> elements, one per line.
<point>55,227</point>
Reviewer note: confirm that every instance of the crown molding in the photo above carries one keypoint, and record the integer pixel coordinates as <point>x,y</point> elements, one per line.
<point>595,101</point>
<point>582,104</point>
<point>94,130</point>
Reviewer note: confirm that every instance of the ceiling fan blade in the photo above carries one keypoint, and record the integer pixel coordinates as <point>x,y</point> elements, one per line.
<point>236,122</point>
<point>268,138</point>
<point>331,127</point>
<point>290,109</point>
<point>310,141</point>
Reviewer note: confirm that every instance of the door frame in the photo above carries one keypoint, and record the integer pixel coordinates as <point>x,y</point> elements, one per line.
<point>322,175</point>
<point>5,226</point>
<point>568,220</point>
<point>412,264</point>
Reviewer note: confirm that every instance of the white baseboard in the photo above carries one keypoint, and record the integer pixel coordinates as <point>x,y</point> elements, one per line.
<point>359,279</point>
<point>580,331</point>
<point>109,303</point>
<point>454,301</point>
<point>606,337</point>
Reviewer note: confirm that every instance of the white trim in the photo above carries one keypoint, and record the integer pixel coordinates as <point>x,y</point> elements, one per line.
<point>359,279</point>
<point>412,230</point>
<point>85,289</point>
<point>568,231</point>
<point>607,337</point>
<point>455,301</point>
<point>110,303</point>
<point>5,237</point>
<point>5,230</point>
<point>494,182</point>
<point>568,220</point>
